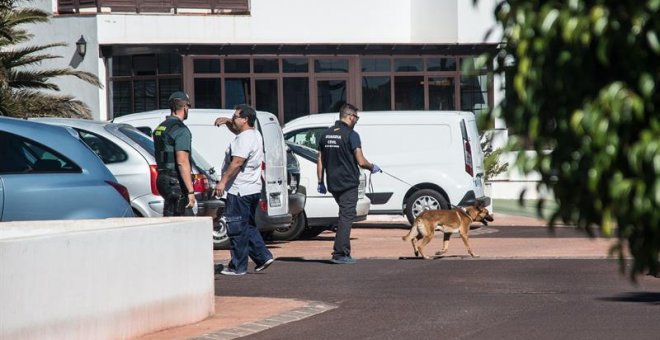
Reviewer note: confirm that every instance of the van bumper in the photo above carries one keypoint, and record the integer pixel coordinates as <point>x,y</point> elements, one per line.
<point>270,223</point>
<point>471,199</point>
<point>297,203</point>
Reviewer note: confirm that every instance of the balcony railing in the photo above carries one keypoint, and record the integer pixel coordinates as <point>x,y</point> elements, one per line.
<point>154,6</point>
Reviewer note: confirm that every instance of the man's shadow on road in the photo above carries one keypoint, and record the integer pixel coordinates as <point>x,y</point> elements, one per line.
<point>300,259</point>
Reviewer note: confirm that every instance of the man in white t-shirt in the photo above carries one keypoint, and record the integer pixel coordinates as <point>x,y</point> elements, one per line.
<point>241,179</point>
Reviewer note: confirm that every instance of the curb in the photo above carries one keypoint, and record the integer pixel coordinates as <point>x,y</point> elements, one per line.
<point>310,309</point>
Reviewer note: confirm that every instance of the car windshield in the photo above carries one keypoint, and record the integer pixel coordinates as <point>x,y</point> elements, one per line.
<point>303,151</point>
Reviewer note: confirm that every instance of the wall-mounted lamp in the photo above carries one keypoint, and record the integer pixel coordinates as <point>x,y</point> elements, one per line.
<point>81,47</point>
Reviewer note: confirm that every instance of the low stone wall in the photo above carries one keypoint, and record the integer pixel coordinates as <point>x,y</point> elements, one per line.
<point>104,279</point>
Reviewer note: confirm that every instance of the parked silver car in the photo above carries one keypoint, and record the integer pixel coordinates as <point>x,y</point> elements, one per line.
<point>129,154</point>
<point>48,173</point>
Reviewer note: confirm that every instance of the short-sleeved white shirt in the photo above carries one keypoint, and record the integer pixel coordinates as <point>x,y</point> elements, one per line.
<point>248,145</point>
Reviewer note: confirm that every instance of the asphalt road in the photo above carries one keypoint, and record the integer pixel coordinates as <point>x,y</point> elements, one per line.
<point>459,298</point>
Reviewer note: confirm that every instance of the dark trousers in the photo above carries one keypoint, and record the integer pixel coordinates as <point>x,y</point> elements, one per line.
<point>347,201</point>
<point>175,201</point>
<point>244,237</point>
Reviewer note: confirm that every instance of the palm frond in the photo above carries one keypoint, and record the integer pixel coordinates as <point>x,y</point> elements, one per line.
<point>23,56</point>
<point>39,104</point>
<point>11,18</point>
<point>22,81</point>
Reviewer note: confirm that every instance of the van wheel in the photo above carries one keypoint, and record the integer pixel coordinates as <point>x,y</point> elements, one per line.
<point>293,232</point>
<point>220,238</point>
<point>425,199</point>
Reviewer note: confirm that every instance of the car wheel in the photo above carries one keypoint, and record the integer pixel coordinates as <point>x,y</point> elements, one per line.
<point>293,232</point>
<point>220,237</point>
<point>312,231</point>
<point>425,199</point>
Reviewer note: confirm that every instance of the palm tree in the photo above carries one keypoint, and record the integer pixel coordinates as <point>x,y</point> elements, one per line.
<point>25,90</point>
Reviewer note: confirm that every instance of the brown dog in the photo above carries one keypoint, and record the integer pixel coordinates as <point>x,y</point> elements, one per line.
<point>448,221</point>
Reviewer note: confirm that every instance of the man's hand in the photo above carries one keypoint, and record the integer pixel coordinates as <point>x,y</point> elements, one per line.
<point>321,188</point>
<point>191,200</point>
<point>222,121</point>
<point>219,190</point>
<point>375,168</point>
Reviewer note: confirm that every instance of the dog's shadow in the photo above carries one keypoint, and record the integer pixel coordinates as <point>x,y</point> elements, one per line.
<point>651,298</point>
<point>436,257</point>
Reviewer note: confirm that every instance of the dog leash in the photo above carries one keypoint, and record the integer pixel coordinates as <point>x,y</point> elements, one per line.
<point>398,179</point>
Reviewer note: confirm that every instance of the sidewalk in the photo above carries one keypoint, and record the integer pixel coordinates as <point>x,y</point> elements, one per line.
<point>379,237</point>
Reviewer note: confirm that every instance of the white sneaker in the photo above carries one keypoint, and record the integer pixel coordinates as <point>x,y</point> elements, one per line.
<point>265,265</point>
<point>231,272</point>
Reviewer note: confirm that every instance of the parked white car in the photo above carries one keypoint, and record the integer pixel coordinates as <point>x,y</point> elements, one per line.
<point>321,210</point>
<point>430,159</point>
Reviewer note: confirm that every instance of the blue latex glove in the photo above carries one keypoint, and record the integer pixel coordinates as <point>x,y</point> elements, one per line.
<point>375,169</point>
<point>321,188</point>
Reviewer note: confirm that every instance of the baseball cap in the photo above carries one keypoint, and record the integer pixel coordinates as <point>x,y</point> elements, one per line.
<point>179,95</point>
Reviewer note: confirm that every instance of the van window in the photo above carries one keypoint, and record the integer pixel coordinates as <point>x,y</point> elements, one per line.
<point>307,137</point>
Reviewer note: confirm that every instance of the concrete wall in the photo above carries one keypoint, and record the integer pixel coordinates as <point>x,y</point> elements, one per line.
<point>104,279</point>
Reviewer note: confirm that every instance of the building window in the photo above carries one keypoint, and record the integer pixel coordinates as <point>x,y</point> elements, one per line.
<point>295,65</point>
<point>408,65</point>
<point>409,93</point>
<point>296,97</point>
<point>441,64</point>
<point>237,66</point>
<point>474,93</point>
<point>266,95</point>
<point>266,66</point>
<point>206,65</point>
<point>143,82</point>
<point>442,94</point>
<point>331,65</point>
<point>207,93</point>
<point>376,93</point>
<point>237,91</point>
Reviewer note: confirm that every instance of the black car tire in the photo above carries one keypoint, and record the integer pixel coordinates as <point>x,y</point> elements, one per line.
<point>292,233</point>
<point>425,199</point>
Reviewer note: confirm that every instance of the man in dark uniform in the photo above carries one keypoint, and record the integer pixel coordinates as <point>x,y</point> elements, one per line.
<point>173,141</point>
<point>340,154</point>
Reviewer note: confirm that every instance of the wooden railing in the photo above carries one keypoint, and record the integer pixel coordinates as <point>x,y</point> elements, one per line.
<point>153,6</point>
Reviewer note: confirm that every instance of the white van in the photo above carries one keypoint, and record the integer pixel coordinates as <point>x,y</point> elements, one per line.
<point>212,141</point>
<point>430,159</point>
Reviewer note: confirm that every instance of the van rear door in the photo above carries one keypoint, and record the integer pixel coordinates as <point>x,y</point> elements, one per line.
<point>474,156</point>
<point>275,167</point>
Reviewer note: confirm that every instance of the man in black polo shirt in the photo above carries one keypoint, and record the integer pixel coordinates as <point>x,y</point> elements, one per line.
<point>340,154</point>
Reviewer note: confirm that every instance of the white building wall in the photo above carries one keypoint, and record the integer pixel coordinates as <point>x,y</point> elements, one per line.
<point>434,21</point>
<point>270,22</point>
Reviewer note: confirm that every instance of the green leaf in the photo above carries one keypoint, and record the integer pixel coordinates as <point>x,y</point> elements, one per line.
<point>652,39</point>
